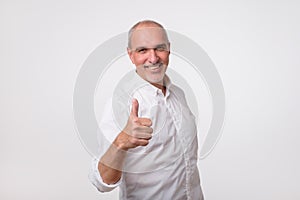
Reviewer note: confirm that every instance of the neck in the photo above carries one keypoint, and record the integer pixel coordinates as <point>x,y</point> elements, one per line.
<point>161,87</point>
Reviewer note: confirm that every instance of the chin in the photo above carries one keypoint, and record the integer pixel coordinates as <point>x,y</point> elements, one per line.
<point>158,80</point>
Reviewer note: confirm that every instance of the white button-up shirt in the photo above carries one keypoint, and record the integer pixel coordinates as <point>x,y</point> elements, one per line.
<point>165,169</point>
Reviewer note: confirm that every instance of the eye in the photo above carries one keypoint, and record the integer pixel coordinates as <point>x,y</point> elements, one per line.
<point>142,50</point>
<point>161,48</point>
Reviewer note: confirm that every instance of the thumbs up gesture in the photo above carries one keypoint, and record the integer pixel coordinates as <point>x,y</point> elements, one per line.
<point>137,131</point>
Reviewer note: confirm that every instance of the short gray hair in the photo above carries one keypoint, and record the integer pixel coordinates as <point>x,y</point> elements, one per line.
<point>144,22</point>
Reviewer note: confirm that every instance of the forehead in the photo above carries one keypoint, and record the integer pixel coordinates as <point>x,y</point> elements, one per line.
<point>148,37</point>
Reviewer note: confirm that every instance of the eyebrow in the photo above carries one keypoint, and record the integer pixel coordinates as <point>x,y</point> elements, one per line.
<point>142,47</point>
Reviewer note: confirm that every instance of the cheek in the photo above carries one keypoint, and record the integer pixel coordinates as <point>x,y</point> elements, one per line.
<point>165,59</point>
<point>139,60</point>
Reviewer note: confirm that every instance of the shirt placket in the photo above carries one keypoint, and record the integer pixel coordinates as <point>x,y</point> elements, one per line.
<point>174,108</point>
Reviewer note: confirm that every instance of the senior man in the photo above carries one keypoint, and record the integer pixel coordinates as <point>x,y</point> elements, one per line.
<point>154,156</point>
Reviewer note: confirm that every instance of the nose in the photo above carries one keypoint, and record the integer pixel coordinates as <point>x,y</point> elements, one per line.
<point>153,58</point>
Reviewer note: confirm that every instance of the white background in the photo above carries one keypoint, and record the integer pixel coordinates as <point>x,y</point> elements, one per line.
<point>255,46</point>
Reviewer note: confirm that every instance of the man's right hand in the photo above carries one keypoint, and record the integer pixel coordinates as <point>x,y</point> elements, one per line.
<point>137,131</point>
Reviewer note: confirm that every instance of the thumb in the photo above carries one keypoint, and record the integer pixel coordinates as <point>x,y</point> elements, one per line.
<point>135,107</point>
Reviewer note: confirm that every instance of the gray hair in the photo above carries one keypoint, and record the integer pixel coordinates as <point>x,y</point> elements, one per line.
<point>144,22</point>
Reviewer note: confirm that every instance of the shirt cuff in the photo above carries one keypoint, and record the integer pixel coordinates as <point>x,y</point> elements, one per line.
<point>97,180</point>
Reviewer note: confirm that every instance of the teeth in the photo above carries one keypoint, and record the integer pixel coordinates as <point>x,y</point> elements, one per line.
<point>153,67</point>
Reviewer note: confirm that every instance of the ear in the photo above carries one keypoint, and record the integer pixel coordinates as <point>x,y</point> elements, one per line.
<point>169,47</point>
<point>130,54</point>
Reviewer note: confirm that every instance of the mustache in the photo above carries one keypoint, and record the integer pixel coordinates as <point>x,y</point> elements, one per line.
<point>153,65</point>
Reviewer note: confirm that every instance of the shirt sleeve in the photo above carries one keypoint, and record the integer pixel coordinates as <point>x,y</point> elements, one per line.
<point>97,180</point>
<point>106,134</point>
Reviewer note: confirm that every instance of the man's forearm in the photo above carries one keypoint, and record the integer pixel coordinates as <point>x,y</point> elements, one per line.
<point>111,164</point>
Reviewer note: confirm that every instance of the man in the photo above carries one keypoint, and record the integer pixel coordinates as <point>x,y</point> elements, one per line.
<point>155,155</point>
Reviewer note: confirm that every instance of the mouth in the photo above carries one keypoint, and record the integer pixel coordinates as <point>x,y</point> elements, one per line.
<point>154,68</point>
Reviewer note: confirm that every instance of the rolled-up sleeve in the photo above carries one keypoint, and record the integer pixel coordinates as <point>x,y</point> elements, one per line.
<point>97,180</point>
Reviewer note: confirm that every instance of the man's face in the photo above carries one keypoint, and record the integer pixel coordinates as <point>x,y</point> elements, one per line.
<point>149,52</point>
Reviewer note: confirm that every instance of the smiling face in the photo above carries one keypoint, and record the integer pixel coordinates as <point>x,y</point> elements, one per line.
<point>149,51</point>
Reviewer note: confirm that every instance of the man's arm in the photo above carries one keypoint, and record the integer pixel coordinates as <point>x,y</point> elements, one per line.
<point>137,132</point>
